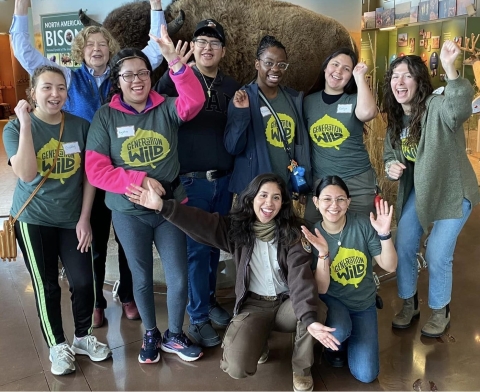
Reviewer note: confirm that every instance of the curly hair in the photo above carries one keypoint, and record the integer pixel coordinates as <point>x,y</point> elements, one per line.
<point>34,79</point>
<point>394,110</point>
<point>350,87</point>
<point>242,215</point>
<point>116,65</point>
<point>78,45</point>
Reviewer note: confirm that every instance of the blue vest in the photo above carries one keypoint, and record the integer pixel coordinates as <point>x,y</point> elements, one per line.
<point>84,97</point>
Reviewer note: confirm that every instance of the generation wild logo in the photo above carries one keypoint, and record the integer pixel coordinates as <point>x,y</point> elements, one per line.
<point>328,132</point>
<point>146,148</point>
<point>66,166</point>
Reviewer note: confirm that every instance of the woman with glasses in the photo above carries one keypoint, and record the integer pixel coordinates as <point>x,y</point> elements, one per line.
<point>253,133</point>
<point>134,139</point>
<point>275,286</point>
<point>425,151</point>
<point>335,111</point>
<point>345,245</point>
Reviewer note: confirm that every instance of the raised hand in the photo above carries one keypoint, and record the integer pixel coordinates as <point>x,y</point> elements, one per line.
<point>383,221</point>
<point>156,5</point>
<point>22,111</point>
<point>449,52</point>
<point>317,240</point>
<point>360,70</point>
<point>183,54</point>
<point>166,44</point>
<point>240,99</point>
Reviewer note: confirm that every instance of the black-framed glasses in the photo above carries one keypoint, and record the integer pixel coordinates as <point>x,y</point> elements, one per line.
<point>270,64</point>
<point>202,43</point>
<point>129,77</point>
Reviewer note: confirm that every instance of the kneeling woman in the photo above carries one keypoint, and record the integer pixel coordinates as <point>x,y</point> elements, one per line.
<point>346,243</point>
<point>275,288</point>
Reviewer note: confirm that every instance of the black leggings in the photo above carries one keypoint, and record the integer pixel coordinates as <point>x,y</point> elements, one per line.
<point>41,247</point>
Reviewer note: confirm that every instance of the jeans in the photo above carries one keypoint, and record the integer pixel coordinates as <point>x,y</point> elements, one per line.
<point>210,196</point>
<point>358,333</point>
<point>439,254</point>
<point>137,233</point>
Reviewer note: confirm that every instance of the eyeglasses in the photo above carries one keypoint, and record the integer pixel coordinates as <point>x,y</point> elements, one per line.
<point>202,43</point>
<point>341,201</point>
<point>129,77</point>
<point>271,64</point>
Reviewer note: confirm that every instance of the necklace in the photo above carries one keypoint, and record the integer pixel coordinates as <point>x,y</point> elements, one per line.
<point>339,240</point>
<point>206,85</point>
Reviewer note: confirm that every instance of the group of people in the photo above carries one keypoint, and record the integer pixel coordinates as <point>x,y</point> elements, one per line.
<point>162,163</point>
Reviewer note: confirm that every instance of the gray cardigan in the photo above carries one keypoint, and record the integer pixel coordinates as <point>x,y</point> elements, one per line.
<point>442,174</point>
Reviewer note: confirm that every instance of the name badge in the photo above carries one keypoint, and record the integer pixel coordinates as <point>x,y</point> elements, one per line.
<point>344,108</point>
<point>265,111</point>
<point>71,148</point>
<point>126,131</point>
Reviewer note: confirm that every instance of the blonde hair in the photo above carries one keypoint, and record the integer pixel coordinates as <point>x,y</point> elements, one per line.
<point>80,40</point>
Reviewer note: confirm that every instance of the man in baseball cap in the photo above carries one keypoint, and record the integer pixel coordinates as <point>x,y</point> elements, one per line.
<point>210,25</point>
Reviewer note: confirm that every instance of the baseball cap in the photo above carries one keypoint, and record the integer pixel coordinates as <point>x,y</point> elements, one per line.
<point>210,24</point>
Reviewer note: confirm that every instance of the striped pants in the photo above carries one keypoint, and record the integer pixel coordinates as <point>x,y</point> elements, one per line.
<point>41,247</point>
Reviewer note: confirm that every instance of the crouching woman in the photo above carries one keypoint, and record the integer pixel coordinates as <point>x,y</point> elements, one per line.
<point>347,243</point>
<point>275,287</point>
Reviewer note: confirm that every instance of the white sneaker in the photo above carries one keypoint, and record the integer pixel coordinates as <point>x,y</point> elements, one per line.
<point>62,359</point>
<point>89,345</point>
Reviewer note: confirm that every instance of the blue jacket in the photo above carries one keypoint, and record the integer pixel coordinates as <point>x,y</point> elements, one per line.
<point>245,138</point>
<point>84,97</point>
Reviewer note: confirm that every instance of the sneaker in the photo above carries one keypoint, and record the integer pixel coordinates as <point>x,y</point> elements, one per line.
<point>218,315</point>
<point>130,310</point>
<point>302,383</point>
<point>182,346</point>
<point>98,317</point>
<point>204,334</point>
<point>150,351</point>
<point>88,345</point>
<point>62,359</point>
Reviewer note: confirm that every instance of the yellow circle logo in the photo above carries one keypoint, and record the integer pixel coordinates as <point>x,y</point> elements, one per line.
<point>349,266</point>
<point>144,149</point>
<point>66,166</point>
<point>328,132</point>
<point>272,132</point>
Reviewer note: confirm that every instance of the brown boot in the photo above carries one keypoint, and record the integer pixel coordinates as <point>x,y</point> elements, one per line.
<point>130,310</point>
<point>302,383</point>
<point>410,311</point>
<point>438,322</point>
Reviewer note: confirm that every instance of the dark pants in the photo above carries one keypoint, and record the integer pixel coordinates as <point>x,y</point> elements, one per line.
<point>247,335</point>
<point>210,196</point>
<point>101,221</point>
<point>41,247</point>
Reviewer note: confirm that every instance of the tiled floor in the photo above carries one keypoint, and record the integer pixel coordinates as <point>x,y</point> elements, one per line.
<point>450,363</point>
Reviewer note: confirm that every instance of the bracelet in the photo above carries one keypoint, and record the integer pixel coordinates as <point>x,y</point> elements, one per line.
<point>325,256</point>
<point>386,236</point>
<point>173,62</point>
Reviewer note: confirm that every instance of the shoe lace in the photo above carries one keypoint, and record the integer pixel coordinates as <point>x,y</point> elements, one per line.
<point>182,339</point>
<point>91,341</point>
<point>150,340</point>
<point>63,351</point>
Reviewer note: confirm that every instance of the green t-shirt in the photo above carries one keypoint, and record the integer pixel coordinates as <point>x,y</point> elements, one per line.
<point>144,142</point>
<point>58,203</point>
<point>276,148</point>
<point>409,151</point>
<point>337,137</point>
<point>351,269</point>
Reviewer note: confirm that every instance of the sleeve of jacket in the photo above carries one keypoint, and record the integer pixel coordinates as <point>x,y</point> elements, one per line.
<point>388,152</point>
<point>190,94</point>
<point>238,120</point>
<point>205,227</point>
<point>456,104</point>
<point>302,285</point>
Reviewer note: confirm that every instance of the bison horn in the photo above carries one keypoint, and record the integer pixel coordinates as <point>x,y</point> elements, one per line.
<point>86,20</point>
<point>175,25</point>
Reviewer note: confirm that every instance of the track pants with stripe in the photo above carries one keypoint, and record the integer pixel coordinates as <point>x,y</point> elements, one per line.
<point>41,247</point>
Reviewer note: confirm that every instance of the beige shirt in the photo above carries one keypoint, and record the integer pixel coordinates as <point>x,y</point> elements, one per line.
<point>265,275</point>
